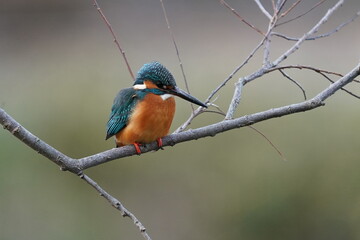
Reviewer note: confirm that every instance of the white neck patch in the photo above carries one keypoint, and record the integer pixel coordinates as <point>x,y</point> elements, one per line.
<point>166,96</point>
<point>139,86</point>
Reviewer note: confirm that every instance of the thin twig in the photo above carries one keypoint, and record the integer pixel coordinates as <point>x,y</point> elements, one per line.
<point>279,7</point>
<point>343,89</point>
<point>271,26</point>
<point>268,140</point>
<point>303,14</point>
<point>310,68</point>
<point>116,41</point>
<point>273,5</point>
<point>266,55</point>
<point>319,71</point>
<point>238,68</point>
<point>176,49</point>
<point>294,81</point>
<point>322,35</point>
<point>264,11</point>
<point>240,17</point>
<point>290,8</point>
<point>116,204</point>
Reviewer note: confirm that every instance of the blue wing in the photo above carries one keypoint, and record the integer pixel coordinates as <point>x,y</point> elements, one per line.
<point>124,103</point>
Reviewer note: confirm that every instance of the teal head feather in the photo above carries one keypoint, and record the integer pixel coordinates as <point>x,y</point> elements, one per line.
<point>155,72</point>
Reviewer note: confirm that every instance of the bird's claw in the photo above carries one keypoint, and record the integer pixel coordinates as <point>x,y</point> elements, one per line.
<point>160,143</point>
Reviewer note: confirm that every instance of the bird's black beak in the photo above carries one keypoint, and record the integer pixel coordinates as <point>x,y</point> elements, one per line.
<point>184,95</point>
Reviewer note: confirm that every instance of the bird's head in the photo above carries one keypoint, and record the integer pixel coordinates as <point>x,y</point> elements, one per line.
<point>155,75</point>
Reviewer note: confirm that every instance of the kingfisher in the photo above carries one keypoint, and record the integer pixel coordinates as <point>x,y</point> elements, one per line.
<point>144,112</point>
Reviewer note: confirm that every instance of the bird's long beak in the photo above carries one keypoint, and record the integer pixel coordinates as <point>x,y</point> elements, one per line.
<point>184,95</point>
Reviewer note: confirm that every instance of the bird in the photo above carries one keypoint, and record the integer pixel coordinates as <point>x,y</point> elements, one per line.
<point>144,112</point>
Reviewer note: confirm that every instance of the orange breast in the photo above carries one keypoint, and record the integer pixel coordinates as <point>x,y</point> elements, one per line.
<point>150,120</point>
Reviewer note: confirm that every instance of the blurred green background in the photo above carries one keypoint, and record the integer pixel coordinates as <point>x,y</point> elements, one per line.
<point>60,72</point>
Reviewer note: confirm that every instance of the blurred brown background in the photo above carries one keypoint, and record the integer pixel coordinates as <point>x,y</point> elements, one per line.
<point>60,72</point>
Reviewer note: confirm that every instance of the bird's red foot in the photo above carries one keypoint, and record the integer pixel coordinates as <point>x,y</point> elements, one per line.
<point>137,148</point>
<point>160,143</point>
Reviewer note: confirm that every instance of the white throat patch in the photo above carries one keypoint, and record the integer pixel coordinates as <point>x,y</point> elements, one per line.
<point>165,96</point>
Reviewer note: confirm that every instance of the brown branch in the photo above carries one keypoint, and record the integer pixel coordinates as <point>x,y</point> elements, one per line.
<point>268,140</point>
<point>240,17</point>
<point>290,8</point>
<point>116,41</point>
<point>294,81</point>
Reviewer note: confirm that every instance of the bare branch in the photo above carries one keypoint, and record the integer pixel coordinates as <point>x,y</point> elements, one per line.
<point>116,41</point>
<point>193,115</point>
<point>212,94</point>
<point>309,68</point>
<point>265,12</point>
<point>66,163</point>
<point>267,66</point>
<point>343,89</point>
<point>268,140</point>
<point>319,71</point>
<point>241,18</point>
<point>200,110</point>
<point>322,35</point>
<point>238,89</point>
<point>116,204</point>
<point>266,61</point>
<point>271,26</point>
<point>279,6</point>
<point>273,5</point>
<point>236,99</point>
<point>290,8</point>
<point>339,83</point>
<point>294,81</point>
<point>296,46</point>
<point>303,14</point>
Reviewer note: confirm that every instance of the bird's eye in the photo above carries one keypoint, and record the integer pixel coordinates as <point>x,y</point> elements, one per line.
<point>160,85</point>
